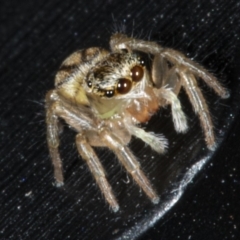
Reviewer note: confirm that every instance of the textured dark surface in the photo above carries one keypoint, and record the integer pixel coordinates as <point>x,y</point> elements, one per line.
<point>35,36</point>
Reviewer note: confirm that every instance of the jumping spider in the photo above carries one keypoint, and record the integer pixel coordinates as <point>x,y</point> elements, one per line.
<point>105,95</point>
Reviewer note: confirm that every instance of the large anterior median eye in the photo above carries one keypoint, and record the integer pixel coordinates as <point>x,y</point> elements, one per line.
<point>124,86</point>
<point>137,73</point>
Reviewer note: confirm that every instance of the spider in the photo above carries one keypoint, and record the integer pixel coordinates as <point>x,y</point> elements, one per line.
<point>105,95</point>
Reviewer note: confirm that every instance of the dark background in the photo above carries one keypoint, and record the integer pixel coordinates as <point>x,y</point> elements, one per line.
<point>35,37</point>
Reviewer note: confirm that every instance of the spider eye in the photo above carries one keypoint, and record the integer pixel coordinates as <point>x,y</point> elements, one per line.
<point>137,73</point>
<point>141,61</point>
<point>124,85</point>
<point>89,83</point>
<point>124,50</point>
<point>109,93</point>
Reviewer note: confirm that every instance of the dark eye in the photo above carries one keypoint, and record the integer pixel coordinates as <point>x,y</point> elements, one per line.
<point>109,93</point>
<point>124,50</point>
<point>89,83</point>
<point>137,73</point>
<point>124,85</point>
<point>141,61</point>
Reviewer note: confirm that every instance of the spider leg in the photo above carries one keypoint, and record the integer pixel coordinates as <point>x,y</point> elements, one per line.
<point>96,168</point>
<point>53,140</point>
<point>200,107</point>
<point>120,41</point>
<point>128,160</point>
<point>179,59</point>
<point>55,109</point>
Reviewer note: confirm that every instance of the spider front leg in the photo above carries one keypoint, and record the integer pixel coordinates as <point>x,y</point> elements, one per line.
<point>120,41</point>
<point>179,60</point>
<point>129,161</point>
<point>72,116</point>
<point>56,109</point>
<point>96,168</point>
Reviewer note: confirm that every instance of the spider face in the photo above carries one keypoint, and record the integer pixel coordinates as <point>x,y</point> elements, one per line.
<point>117,75</point>
<point>105,95</point>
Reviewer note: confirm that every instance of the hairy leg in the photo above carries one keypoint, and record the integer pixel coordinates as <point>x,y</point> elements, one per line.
<point>128,160</point>
<point>96,168</point>
<point>200,107</point>
<point>54,111</point>
<point>53,140</point>
<point>120,41</point>
<point>179,59</point>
